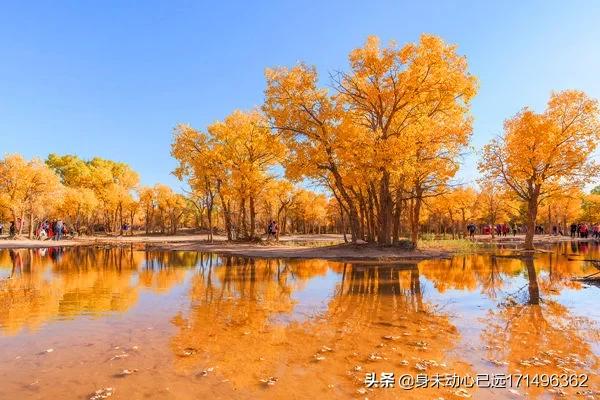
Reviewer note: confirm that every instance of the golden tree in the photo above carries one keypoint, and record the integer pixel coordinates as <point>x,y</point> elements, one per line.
<point>540,155</point>
<point>315,130</point>
<point>27,189</point>
<point>77,205</point>
<point>170,207</point>
<point>590,207</point>
<point>113,184</point>
<point>398,95</point>
<point>363,140</point>
<point>205,170</point>
<point>231,161</point>
<point>147,203</point>
<point>494,204</point>
<point>564,207</point>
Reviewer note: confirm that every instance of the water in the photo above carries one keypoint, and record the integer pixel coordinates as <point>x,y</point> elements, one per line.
<point>191,326</point>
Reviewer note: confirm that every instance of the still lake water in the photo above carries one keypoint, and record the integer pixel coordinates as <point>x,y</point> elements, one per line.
<point>187,325</point>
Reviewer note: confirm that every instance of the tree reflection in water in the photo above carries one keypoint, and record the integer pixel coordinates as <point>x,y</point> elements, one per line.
<point>530,334</point>
<point>376,320</point>
<point>56,283</point>
<point>317,326</point>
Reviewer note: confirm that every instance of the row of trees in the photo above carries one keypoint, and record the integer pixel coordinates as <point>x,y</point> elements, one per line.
<point>89,195</point>
<point>492,205</point>
<point>388,136</point>
<point>104,195</point>
<point>385,140</point>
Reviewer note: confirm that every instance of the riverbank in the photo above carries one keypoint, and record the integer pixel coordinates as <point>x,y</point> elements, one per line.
<point>324,246</point>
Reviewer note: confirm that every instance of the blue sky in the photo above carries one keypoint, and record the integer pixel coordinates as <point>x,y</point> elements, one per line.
<point>112,78</point>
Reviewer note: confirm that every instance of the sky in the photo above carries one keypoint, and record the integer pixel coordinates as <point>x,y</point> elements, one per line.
<point>112,78</point>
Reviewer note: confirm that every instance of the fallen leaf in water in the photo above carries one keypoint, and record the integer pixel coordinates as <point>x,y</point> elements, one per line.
<point>390,337</point>
<point>126,372</point>
<point>319,357</point>
<point>420,367</point>
<point>102,394</point>
<point>326,349</point>
<point>462,393</point>
<point>357,368</point>
<point>374,357</point>
<point>118,356</point>
<point>188,351</point>
<point>270,381</point>
<point>206,371</point>
<point>48,350</point>
<point>361,391</point>
<point>404,362</point>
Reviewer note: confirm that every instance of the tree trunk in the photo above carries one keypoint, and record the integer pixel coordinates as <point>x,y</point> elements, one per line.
<point>31,220</point>
<point>21,220</point>
<point>242,218</point>
<point>534,290</point>
<point>210,224</point>
<point>352,214</point>
<point>227,217</point>
<point>342,222</point>
<point>532,209</point>
<point>397,215</point>
<point>252,218</point>
<point>416,215</point>
<point>121,219</point>
<point>384,216</point>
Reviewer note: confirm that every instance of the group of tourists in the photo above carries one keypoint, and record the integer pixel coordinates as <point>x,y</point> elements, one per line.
<point>499,229</point>
<point>578,230</point>
<point>53,230</point>
<point>584,230</point>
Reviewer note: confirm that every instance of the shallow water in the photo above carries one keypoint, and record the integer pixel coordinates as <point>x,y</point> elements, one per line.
<point>193,326</point>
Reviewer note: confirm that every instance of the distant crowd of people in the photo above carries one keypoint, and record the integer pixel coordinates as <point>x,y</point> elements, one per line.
<point>577,230</point>
<point>499,229</point>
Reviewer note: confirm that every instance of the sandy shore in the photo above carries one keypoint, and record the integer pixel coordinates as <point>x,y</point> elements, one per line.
<point>326,246</point>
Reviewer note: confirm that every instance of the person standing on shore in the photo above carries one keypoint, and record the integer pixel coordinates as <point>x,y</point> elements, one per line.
<point>471,228</point>
<point>58,231</point>
<point>1,228</point>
